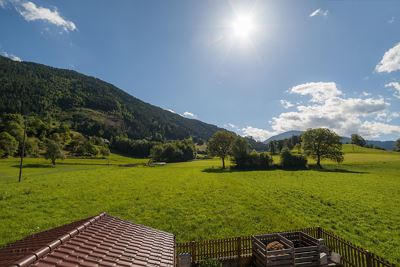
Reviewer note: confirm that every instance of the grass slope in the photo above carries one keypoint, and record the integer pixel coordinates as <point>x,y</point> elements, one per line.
<point>358,199</point>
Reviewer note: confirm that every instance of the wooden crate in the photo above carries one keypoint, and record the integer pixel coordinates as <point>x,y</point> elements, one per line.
<point>277,258</point>
<point>306,249</point>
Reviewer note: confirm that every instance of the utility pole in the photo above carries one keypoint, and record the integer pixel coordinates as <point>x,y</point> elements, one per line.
<point>22,152</point>
<point>23,139</point>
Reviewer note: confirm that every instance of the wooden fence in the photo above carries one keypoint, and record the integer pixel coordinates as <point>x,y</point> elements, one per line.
<point>238,248</point>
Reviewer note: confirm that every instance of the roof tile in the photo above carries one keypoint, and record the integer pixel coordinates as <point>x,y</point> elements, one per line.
<point>97,241</point>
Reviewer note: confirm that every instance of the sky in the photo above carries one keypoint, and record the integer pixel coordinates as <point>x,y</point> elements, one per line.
<point>258,68</point>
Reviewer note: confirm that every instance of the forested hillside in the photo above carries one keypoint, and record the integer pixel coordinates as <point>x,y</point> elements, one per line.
<point>89,105</point>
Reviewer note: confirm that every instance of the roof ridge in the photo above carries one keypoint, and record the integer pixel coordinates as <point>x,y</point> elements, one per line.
<point>41,252</point>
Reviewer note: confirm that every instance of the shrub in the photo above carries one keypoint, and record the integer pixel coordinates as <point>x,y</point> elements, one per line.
<point>135,148</point>
<point>244,159</point>
<point>87,149</point>
<point>174,151</point>
<point>290,161</point>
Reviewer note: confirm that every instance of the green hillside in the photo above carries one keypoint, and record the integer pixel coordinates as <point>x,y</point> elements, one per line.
<point>92,106</point>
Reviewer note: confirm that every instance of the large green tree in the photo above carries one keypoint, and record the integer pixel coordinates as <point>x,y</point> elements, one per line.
<point>220,145</point>
<point>53,151</point>
<point>8,145</point>
<point>322,143</point>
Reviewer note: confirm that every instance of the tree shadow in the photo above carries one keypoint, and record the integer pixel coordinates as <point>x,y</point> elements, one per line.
<point>231,170</point>
<point>310,168</point>
<point>316,168</point>
<point>34,165</point>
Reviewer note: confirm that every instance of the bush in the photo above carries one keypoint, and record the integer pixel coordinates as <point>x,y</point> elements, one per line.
<point>290,161</point>
<point>175,151</point>
<point>255,160</point>
<point>244,159</point>
<point>135,148</point>
<point>87,149</point>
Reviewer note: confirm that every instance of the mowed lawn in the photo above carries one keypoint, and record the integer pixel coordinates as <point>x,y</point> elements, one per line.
<point>359,199</point>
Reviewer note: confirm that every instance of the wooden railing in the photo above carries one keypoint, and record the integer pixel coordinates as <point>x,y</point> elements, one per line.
<point>241,247</point>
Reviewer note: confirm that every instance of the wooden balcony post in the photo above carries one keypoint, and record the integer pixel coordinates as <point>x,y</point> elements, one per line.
<point>369,259</point>
<point>193,250</point>
<point>239,251</point>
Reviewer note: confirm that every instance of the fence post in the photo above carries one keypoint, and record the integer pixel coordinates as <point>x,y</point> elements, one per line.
<point>319,232</point>
<point>239,250</point>
<point>369,259</point>
<point>193,249</point>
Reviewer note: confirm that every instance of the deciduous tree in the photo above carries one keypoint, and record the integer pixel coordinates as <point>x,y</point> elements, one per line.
<point>220,145</point>
<point>53,151</point>
<point>321,144</point>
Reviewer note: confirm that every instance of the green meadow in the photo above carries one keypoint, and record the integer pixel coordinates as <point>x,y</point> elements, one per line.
<point>358,199</point>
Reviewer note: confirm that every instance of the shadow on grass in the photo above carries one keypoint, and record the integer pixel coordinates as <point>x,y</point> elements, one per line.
<point>230,170</point>
<point>36,165</point>
<point>273,168</point>
<point>316,168</point>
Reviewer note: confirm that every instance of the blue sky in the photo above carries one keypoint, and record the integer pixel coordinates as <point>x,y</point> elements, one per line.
<point>299,64</point>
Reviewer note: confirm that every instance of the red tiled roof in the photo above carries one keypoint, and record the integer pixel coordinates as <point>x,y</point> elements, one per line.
<point>98,241</point>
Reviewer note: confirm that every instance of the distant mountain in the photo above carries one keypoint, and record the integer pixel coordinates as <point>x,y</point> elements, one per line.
<point>284,135</point>
<point>388,145</point>
<point>89,105</point>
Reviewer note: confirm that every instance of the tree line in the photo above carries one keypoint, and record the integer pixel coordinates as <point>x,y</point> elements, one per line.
<point>318,144</point>
<point>48,138</point>
<point>55,140</point>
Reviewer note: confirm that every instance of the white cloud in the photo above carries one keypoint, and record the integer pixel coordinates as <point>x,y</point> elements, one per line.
<point>396,87</point>
<point>11,56</point>
<point>327,107</point>
<point>319,91</point>
<point>189,115</point>
<point>170,110</point>
<point>390,61</point>
<point>31,12</point>
<point>2,3</point>
<point>257,133</point>
<point>231,126</point>
<point>366,93</point>
<point>386,116</point>
<point>319,12</point>
<point>373,129</point>
<point>286,104</point>
<point>392,20</point>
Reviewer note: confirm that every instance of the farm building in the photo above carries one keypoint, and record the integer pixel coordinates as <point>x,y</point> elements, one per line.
<point>105,240</point>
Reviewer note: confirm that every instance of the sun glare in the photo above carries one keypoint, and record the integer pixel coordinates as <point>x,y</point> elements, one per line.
<point>243,27</point>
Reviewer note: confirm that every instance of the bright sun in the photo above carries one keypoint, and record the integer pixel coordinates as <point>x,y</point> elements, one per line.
<point>243,27</point>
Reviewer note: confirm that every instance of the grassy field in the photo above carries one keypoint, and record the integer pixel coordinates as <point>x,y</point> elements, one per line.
<point>359,199</point>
